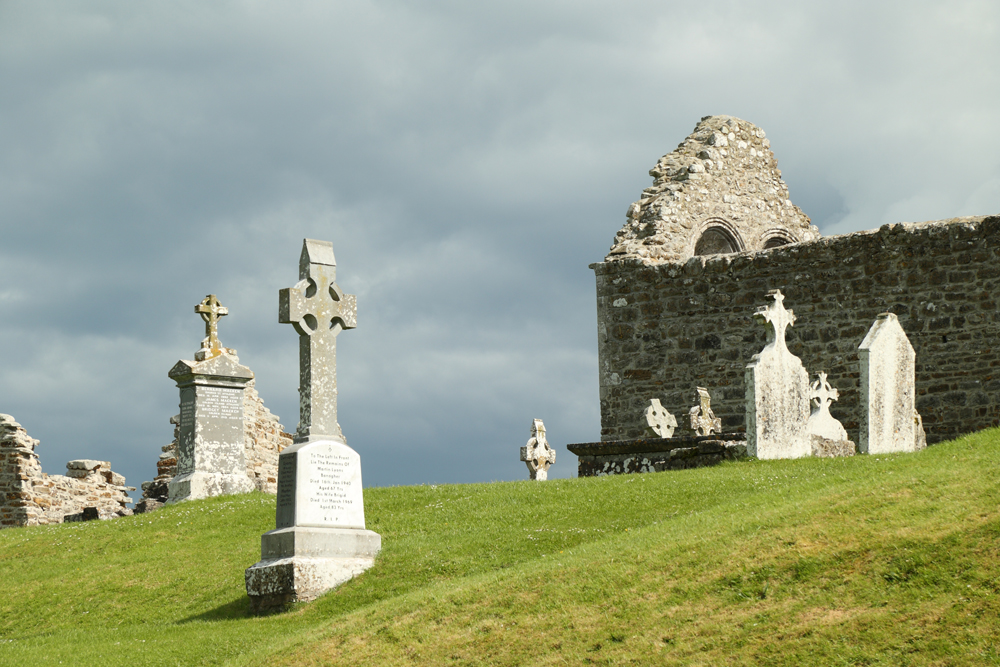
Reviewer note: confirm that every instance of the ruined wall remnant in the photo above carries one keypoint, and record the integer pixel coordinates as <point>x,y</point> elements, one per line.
<point>264,441</point>
<point>29,497</point>
<point>719,191</point>
<point>665,327</point>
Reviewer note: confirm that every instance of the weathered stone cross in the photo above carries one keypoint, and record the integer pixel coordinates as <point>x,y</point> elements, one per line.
<point>776,318</point>
<point>703,420</point>
<point>823,393</point>
<point>211,310</point>
<point>318,310</point>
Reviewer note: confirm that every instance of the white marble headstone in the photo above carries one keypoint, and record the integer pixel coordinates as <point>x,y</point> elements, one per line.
<point>888,413</point>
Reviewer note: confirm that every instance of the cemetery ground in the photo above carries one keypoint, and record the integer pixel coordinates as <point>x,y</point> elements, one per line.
<point>888,559</point>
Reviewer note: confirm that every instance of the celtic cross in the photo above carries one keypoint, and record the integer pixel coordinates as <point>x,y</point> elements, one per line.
<point>319,311</point>
<point>211,310</point>
<point>823,393</point>
<point>776,318</point>
<point>703,420</point>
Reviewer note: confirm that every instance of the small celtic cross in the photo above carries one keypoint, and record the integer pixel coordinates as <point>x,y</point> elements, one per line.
<point>823,393</point>
<point>211,310</point>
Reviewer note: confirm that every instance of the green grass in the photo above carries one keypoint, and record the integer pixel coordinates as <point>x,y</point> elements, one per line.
<point>881,560</point>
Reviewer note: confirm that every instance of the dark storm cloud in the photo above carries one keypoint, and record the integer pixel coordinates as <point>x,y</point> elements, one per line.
<point>467,161</point>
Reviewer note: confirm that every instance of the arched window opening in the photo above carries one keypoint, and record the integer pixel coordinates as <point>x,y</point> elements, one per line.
<point>775,242</point>
<point>714,241</point>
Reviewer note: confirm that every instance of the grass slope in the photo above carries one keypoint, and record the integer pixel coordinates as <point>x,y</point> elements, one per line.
<point>862,561</point>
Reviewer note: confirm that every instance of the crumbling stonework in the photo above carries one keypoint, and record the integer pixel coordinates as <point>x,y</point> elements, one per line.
<point>31,497</point>
<point>264,440</point>
<point>719,191</point>
<point>665,328</point>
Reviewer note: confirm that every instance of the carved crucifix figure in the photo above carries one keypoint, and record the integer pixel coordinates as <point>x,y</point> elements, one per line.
<point>211,310</point>
<point>703,420</point>
<point>776,319</point>
<point>318,310</point>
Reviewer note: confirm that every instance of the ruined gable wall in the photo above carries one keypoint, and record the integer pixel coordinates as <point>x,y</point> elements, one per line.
<point>29,497</point>
<point>723,176</point>
<point>664,329</point>
<point>264,439</point>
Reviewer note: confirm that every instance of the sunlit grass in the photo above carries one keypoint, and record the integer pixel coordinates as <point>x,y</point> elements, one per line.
<point>867,560</point>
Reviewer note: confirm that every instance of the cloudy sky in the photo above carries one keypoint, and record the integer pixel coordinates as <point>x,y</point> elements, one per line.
<point>468,161</point>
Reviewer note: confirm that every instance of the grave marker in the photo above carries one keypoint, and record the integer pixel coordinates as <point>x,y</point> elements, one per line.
<point>319,540</point>
<point>777,391</point>
<point>211,459</point>
<point>660,423</point>
<point>537,454</point>
<point>889,419</point>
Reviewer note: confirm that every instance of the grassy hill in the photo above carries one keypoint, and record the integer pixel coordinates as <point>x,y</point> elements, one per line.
<point>870,560</point>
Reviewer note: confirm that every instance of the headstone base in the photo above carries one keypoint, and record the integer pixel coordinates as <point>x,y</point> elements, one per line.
<point>301,563</point>
<point>195,485</point>
<point>827,448</point>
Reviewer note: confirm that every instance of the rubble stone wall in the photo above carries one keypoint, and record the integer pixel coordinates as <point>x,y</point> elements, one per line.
<point>30,497</point>
<point>665,328</point>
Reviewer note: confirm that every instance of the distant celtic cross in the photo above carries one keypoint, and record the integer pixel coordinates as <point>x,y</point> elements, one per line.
<point>823,393</point>
<point>703,420</point>
<point>658,420</point>
<point>776,319</point>
<point>211,310</point>
<point>537,454</point>
<point>319,311</point>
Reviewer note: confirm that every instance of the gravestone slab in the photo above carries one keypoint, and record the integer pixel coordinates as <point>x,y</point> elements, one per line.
<point>211,457</point>
<point>889,420</point>
<point>319,540</point>
<point>777,391</point>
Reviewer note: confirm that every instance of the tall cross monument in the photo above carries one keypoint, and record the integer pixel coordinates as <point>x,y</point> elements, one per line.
<point>319,311</point>
<point>211,457</point>
<point>319,540</point>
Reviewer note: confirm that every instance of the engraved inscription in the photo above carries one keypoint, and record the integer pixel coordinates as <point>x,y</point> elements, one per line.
<point>220,403</point>
<point>285,509</point>
<point>330,482</point>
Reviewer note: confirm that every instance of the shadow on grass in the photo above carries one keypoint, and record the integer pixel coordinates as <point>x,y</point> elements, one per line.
<point>236,609</point>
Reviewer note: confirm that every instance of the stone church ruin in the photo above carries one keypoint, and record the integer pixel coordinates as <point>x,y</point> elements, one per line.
<point>717,230</point>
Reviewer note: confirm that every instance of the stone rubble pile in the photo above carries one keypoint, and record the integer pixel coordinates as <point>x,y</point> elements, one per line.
<point>32,497</point>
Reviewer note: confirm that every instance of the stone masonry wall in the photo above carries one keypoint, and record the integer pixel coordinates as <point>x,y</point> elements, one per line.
<point>665,328</point>
<point>264,440</point>
<point>30,497</point>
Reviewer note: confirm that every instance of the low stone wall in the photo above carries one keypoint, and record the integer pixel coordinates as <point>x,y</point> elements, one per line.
<point>665,328</point>
<point>618,457</point>
<point>30,497</point>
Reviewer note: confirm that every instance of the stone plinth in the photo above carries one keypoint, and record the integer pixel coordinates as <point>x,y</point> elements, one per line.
<point>210,451</point>
<point>889,420</point>
<point>619,457</point>
<point>320,540</point>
